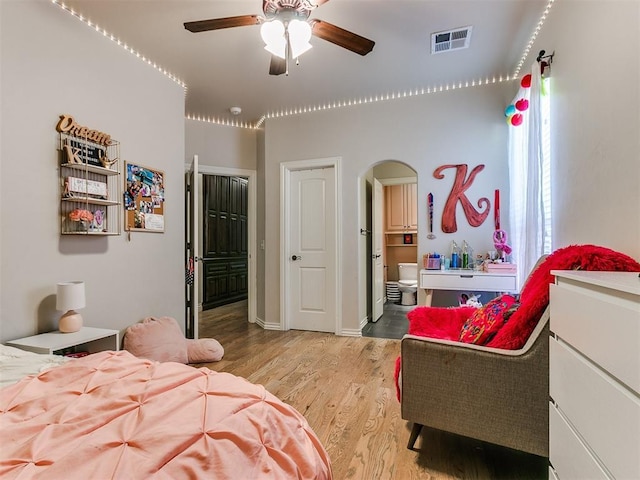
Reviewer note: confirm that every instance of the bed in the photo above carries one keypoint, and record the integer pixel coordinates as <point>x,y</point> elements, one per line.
<point>113,415</point>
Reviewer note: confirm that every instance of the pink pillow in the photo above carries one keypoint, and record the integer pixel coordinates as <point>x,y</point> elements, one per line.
<point>159,339</point>
<point>204,350</point>
<point>486,321</point>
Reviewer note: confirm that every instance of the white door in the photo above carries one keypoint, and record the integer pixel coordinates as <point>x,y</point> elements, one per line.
<point>192,232</point>
<point>378,244</point>
<point>312,250</point>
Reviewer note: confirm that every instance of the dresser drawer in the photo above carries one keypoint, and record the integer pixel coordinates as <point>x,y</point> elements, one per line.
<point>568,455</point>
<point>606,414</point>
<point>604,327</point>
<point>472,281</point>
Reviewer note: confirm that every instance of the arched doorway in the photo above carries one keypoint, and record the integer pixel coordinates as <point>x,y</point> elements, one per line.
<point>390,211</point>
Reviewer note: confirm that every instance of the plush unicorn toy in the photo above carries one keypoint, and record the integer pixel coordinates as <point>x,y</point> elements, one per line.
<point>474,301</point>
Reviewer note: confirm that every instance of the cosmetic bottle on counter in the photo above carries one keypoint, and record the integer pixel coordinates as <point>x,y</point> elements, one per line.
<point>465,254</point>
<point>454,255</point>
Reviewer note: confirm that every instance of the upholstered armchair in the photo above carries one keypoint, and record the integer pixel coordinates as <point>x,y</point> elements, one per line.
<point>497,392</point>
<point>495,395</point>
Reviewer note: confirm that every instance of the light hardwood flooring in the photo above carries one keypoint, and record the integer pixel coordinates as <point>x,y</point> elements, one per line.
<point>344,387</point>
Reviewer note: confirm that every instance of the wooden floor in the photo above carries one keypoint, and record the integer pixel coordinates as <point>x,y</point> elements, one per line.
<point>344,387</point>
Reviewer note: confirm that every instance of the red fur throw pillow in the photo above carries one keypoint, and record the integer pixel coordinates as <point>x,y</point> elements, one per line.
<point>486,321</point>
<point>535,294</point>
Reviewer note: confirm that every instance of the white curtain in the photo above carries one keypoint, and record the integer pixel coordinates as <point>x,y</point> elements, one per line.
<point>526,217</point>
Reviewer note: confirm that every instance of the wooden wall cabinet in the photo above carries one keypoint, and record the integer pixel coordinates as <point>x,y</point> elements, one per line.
<point>401,208</point>
<point>90,187</point>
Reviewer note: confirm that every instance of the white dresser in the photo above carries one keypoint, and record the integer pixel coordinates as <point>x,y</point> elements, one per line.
<point>594,383</point>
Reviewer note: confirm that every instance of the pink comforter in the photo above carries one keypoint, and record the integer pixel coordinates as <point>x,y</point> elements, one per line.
<point>112,415</point>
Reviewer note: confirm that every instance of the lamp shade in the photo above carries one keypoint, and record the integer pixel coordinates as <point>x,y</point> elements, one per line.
<point>299,36</point>
<point>273,36</point>
<point>70,296</point>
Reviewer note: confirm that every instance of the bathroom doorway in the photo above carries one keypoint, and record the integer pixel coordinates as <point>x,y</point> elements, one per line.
<point>393,212</point>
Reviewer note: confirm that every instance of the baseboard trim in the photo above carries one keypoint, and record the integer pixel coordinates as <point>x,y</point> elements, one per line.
<point>266,325</point>
<point>271,326</point>
<point>350,332</point>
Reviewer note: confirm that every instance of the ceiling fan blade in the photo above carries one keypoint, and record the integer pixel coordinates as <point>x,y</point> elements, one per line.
<point>278,65</point>
<point>219,23</point>
<point>342,37</point>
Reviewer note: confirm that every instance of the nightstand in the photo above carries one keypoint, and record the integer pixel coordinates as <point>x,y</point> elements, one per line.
<point>87,339</point>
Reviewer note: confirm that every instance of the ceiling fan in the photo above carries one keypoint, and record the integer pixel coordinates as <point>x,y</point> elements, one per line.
<point>286,29</point>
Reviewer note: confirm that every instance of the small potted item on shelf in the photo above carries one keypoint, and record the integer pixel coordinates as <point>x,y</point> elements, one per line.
<point>98,223</point>
<point>431,261</point>
<point>498,266</point>
<point>83,219</point>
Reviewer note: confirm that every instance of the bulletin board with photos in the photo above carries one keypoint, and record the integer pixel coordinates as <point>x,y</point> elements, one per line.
<point>143,199</point>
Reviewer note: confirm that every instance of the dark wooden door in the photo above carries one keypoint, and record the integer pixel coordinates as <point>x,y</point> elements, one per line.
<point>224,243</point>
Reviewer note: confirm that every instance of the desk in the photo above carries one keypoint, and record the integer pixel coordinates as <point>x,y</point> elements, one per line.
<point>468,280</point>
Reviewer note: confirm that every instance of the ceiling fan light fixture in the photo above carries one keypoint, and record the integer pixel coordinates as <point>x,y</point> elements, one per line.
<point>277,48</point>
<point>299,36</point>
<point>272,34</point>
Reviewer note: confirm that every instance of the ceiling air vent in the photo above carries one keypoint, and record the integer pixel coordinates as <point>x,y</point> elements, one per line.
<point>450,40</point>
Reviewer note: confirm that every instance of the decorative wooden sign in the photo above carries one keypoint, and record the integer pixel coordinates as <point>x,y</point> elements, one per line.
<point>460,184</point>
<point>68,125</point>
<point>85,146</point>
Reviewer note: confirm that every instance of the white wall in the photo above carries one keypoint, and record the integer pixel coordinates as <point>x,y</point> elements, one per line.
<point>221,145</point>
<point>460,126</point>
<point>52,63</point>
<point>595,79</point>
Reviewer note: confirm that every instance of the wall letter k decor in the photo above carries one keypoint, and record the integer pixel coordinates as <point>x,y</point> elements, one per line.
<point>460,185</point>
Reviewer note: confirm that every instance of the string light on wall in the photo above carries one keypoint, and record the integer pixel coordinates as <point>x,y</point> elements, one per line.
<point>129,49</point>
<point>532,40</point>
<point>326,106</point>
<point>384,97</point>
<point>221,121</point>
<point>429,90</point>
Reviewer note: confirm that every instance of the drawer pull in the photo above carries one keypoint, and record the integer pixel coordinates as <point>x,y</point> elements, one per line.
<point>466,276</point>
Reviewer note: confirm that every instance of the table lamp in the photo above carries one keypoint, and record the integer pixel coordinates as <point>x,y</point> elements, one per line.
<point>70,297</point>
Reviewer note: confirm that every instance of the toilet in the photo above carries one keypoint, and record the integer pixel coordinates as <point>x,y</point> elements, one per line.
<point>408,282</point>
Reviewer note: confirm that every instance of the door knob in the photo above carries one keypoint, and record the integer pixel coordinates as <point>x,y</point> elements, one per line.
<point>376,256</point>
<point>296,257</point>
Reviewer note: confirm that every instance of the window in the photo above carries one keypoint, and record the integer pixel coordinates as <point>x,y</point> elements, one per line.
<point>530,173</point>
<point>545,118</point>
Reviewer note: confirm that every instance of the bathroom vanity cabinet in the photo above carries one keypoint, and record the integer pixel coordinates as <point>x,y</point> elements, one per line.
<point>401,208</point>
